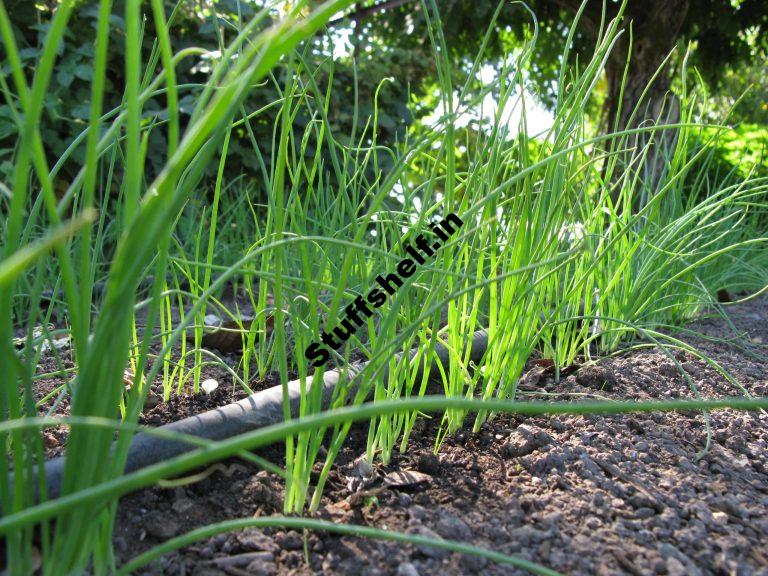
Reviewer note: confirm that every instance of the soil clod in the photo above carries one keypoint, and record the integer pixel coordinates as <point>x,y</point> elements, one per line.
<point>597,377</point>
<point>525,440</point>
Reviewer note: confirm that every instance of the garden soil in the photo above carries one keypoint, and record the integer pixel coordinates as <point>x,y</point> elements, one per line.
<point>626,494</point>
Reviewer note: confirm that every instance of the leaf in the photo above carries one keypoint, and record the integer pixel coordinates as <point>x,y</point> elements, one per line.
<point>405,478</point>
<point>187,104</point>
<point>81,111</point>
<point>117,22</point>
<point>64,77</point>
<point>43,27</point>
<point>7,125</point>
<point>84,72</point>
<point>28,53</point>
<point>85,50</point>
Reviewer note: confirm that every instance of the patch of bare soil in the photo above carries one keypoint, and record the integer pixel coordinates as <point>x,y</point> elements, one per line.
<point>582,495</point>
<point>182,403</point>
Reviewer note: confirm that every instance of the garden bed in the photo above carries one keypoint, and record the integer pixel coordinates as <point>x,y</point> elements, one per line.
<point>581,495</point>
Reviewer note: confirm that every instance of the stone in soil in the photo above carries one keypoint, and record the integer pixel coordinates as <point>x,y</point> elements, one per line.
<point>525,440</point>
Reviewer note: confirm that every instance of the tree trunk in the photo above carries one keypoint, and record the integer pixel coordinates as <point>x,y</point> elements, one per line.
<point>655,29</point>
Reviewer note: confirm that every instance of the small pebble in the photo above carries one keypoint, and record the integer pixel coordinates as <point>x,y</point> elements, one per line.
<point>407,569</point>
<point>209,385</point>
<point>720,518</point>
<point>429,551</point>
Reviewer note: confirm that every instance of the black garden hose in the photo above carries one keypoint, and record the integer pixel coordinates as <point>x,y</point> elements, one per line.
<point>258,410</point>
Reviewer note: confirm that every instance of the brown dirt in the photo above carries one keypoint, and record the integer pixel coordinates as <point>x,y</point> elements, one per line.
<point>582,495</point>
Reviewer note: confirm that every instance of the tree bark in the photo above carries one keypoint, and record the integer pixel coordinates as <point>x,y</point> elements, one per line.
<point>655,27</point>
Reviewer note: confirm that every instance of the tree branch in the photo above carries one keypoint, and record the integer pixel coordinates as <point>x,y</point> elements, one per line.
<point>364,13</point>
<point>591,15</point>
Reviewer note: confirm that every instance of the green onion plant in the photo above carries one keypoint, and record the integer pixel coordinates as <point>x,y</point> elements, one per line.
<point>566,250</point>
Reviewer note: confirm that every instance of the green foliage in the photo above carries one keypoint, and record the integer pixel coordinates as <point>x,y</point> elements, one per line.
<point>723,32</point>
<point>743,91</point>
<point>724,157</point>
<point>67,104</point>
<point>743,149</point>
